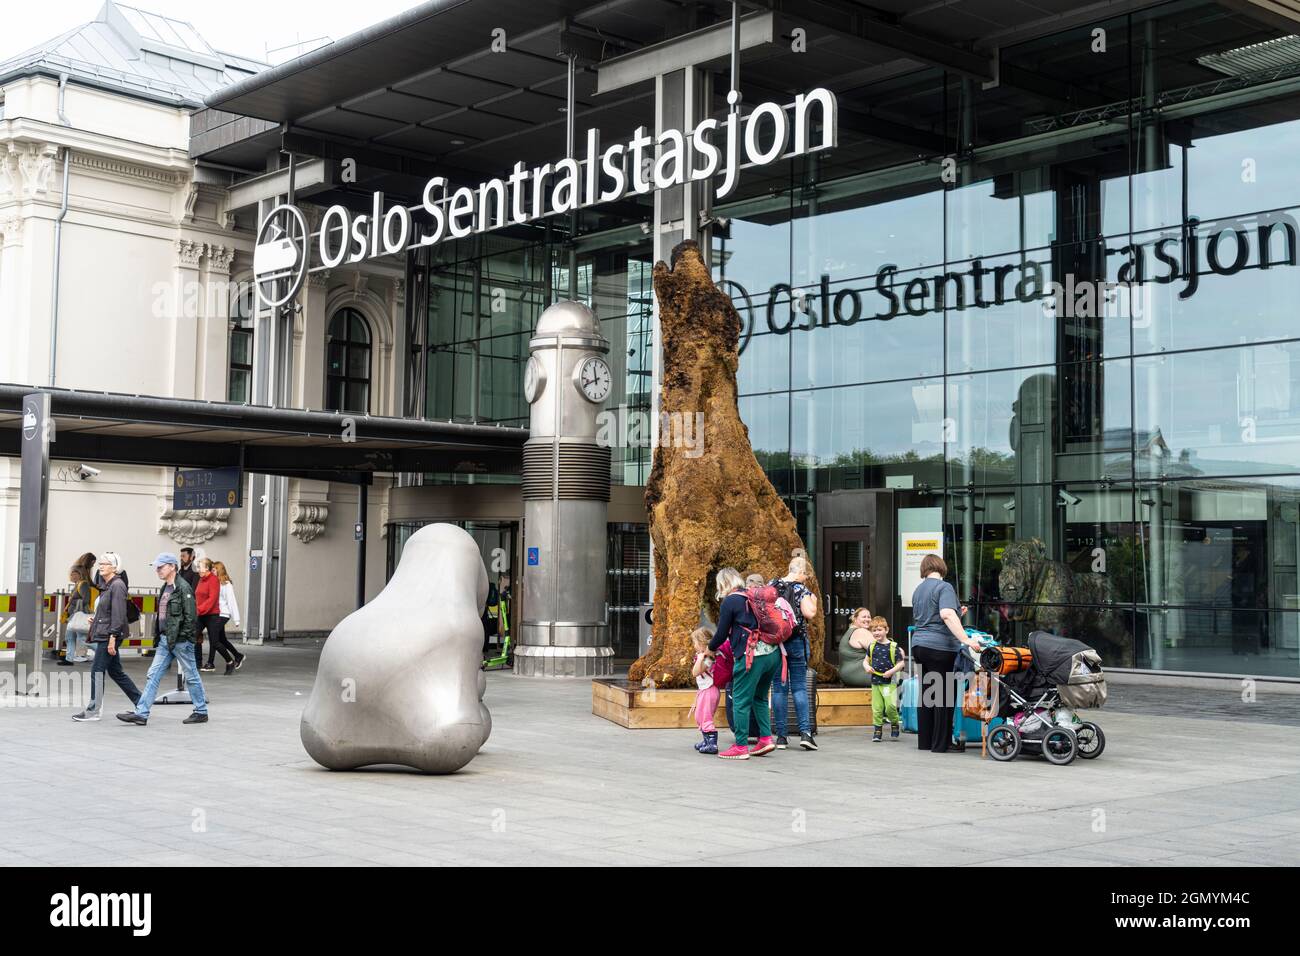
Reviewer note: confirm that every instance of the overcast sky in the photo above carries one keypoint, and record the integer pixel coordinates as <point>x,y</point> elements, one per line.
<point>247,27</point>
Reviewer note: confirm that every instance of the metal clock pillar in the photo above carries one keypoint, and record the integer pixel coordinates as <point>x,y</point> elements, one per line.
<point>565,631</point>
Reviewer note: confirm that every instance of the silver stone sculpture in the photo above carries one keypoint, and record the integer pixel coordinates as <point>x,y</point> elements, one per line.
<point>400,680</point>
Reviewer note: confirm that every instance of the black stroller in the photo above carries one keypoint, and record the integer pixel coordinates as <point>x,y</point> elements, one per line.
<point>1037,695</point>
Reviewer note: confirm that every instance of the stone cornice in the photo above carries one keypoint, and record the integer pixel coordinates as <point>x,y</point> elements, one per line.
<point>162,158</point>
<point>171,178</point>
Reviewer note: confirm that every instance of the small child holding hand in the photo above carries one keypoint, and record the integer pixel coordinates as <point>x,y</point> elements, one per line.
<point>706,698</point>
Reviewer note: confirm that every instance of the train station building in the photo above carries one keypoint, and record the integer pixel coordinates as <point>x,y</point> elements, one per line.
<point>1016,283</point>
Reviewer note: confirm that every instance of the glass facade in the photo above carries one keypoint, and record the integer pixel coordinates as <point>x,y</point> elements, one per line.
<point>1116,458</point>
<point>484,296</point>
<point>1060,310</point>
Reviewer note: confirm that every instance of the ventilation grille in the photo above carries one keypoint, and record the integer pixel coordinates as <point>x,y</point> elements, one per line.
<point>584,472</point>
<point>1268,55</point>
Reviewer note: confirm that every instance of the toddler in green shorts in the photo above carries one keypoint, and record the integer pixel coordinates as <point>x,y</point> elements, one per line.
<point>883,662</point>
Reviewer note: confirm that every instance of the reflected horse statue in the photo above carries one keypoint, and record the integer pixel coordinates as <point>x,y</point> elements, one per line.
<point>1049,596</point>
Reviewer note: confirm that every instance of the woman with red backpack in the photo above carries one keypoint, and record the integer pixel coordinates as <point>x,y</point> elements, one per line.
<point>750,623</point>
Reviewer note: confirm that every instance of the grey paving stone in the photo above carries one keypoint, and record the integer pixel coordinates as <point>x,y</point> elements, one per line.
<point>570,789</point>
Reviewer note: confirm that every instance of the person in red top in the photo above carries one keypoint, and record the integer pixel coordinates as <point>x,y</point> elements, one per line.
<point>207,599</point>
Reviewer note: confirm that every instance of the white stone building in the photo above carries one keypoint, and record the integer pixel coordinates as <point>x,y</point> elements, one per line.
<point>120,271</point>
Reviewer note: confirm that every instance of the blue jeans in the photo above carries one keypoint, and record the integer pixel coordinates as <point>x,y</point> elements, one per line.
<point>796,652</point>
<point>110,664</point>
<point>73,640</point>
<point>183,652</point>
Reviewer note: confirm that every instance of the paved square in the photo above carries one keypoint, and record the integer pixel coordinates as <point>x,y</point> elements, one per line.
<point>556,785</point>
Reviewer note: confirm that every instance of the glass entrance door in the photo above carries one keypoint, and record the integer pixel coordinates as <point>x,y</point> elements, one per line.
<point>846,566</point>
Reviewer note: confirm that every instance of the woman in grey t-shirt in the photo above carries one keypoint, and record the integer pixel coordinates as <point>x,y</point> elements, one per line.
<point>937,636</point>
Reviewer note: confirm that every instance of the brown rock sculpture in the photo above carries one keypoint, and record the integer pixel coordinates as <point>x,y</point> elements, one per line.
<point>710,504</point>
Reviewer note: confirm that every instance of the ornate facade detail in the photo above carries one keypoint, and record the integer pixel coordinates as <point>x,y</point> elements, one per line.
<point>307,520</point>
<point>10,179</point>
<point>397,293</point>
<point>321,279</point>
<point>220,259</point>
<point>12,230</point>
<point>191,527</point>
<point>189,252</point>
<point>189,197</point>
<point>125,170</point>
<point>26,169</point>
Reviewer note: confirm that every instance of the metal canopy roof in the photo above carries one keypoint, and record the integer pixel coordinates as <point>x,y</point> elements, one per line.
<point>140,430</point>
<point>423,94</point>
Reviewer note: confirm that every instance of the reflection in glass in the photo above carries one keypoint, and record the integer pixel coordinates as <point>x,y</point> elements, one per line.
<point>1221,412</point>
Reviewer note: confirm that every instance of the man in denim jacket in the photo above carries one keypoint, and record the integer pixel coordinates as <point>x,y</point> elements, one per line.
<point>177,620</point>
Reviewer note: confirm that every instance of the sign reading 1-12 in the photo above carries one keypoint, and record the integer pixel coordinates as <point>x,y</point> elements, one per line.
<point>201,489</point>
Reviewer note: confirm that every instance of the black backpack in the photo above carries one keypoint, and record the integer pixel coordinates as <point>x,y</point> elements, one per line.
<point>785,589</point>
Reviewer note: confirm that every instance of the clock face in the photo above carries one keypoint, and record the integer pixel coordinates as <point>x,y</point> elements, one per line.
<point>593,379</point>
<point>534,379</point>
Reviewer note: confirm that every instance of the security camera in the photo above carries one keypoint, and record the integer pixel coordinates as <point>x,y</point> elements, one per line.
<point>1067,499</point>
<point>85,471</point>
<point>261,499</point>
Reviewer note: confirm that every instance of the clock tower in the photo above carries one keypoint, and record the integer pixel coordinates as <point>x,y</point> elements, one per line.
<point>564,632</point>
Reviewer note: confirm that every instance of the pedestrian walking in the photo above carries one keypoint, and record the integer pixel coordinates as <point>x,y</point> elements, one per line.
<point>76,618</point>
<point>227,610</point>
<point>177,621</point>
<point>189,572</point>
<point>107,629</point>
<point>207,604</point>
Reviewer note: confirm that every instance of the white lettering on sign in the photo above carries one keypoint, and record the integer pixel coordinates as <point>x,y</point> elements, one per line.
<point>646,162</point>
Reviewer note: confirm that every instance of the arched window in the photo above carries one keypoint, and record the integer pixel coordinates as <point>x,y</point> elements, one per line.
<point>239,382</point>
<point>347,363</point>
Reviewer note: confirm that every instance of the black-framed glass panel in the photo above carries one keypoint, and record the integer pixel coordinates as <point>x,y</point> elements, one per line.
<point>1219,282</point>
<point>627,563</point>
<point>1262,643</point>
<point>239,384</point>
<point>347,363</point>
<point>1035,426</point>
<point>999,314</point>
<point>856,435</point>
<point>845,237</point>
<point>1228,411</point>
<point>998,216</point>
<point>875,328</point>
<point>1087,528</point>
<point>1228,543</point>
<point>768,419</point>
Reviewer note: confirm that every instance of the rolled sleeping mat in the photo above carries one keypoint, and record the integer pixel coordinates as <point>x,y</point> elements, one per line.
<point>1002,659</point>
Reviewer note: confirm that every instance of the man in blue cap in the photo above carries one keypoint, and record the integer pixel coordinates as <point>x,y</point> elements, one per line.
<point>176,625</point>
